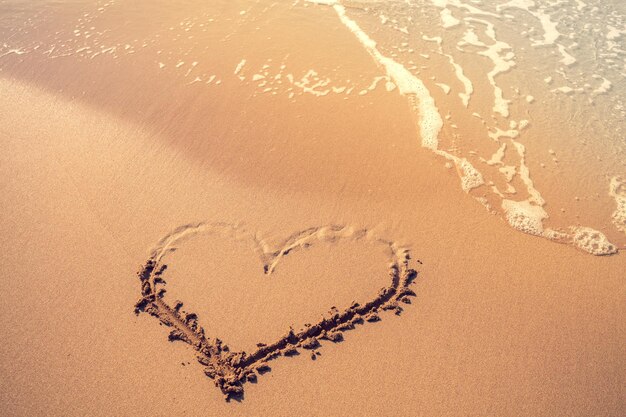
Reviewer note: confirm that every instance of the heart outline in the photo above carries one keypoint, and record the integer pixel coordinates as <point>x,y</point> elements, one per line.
<point>230,370</point>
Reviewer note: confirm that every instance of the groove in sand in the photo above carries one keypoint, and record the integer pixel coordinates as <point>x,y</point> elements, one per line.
<point>230,370</point>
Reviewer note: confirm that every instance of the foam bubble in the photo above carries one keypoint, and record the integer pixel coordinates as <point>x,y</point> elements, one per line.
<point>555,235</point>
<point>470,177</point>
<point>524,216</point>
<point>592,241</point>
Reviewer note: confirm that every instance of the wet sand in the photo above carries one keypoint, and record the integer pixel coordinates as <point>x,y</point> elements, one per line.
<point>502,323</point>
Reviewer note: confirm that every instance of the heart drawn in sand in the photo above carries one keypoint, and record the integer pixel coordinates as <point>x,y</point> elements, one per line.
<point>230,370</point>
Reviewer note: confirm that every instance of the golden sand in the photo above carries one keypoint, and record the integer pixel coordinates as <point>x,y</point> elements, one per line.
<point>278,211</point>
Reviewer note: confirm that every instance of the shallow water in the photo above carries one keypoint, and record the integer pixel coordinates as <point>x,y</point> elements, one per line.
<point>525,100</point>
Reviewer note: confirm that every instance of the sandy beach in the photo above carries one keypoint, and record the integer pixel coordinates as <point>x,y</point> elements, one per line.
<point>274,214</point>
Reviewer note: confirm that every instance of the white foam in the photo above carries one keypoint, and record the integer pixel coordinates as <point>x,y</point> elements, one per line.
<point>550,33</point>
<point>527,215</point>
<point>614,33</point>
<point>375,82</point>
<point>524,216</point>
<point>567,59</point>
<point>604,88</point>
<point>496,158</point>
<point>467,84</point>
<point>457,3</point>
<point>592,241</point>
<point>510,189</point>
<point>447,20</point>
<point>617,190</point>
<point>502,62</point>
<point>524,172</point>
<point>430,122</point>
<point>310,83</point>
<point>16,51</point>
<point>565,90</point>
<point>499,133</point>
<point>437,39</point>
<point>508,171</point>
<point>485,203</point>
<point>496,191</point>
<point>444,87</point>
<point>239,66</point>
<point>470,177</point>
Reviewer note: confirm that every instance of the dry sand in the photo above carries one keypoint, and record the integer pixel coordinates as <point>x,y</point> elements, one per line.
<point>502,323</point>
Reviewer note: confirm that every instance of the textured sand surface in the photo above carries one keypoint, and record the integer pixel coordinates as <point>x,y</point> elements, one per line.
<point>299,206</point>
<point>507,324</point>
